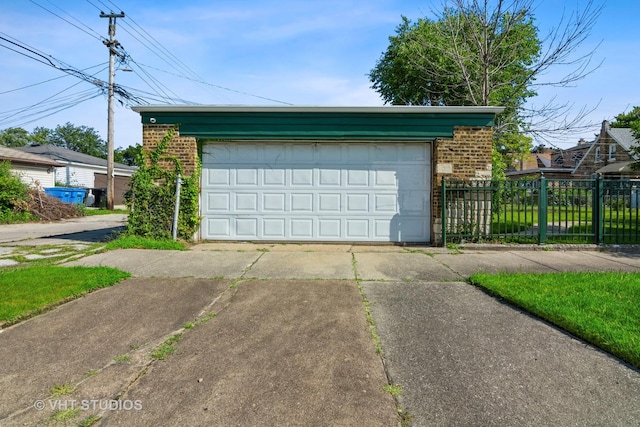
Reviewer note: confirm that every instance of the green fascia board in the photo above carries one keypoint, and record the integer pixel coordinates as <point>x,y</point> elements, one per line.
<point>380,124</point>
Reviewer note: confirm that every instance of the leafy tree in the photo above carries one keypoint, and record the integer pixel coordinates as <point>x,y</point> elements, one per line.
<point>631,120</point>
<point>14,137</point>
<point>129,155</point>
<point>83,139</point>
<point>487,53</point>
<point>40,135</point>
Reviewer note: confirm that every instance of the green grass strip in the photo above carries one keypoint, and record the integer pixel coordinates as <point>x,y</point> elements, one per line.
<point>29,290</point>
<point>601,308</point>
<point>135,242</point>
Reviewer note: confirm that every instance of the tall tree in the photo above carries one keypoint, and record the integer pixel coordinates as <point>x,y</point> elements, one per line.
<point>14,137</point>
<point>40,135</point>
<point>128,156</point>
<point>488,53</point>
<point>78,138</point>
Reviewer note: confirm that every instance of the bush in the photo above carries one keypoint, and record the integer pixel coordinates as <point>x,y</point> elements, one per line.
<point>13,195</point>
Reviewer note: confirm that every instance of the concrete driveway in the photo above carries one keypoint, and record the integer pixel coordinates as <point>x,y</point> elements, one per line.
<point>290,344</point>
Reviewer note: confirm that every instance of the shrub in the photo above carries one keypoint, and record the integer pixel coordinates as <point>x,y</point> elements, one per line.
<point>13,196</point>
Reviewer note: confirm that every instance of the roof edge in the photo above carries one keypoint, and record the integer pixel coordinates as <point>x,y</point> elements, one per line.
<point>316,109</point>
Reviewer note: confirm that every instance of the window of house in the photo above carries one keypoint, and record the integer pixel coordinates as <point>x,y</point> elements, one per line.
<point>612,152</point>
<point>598,155</point>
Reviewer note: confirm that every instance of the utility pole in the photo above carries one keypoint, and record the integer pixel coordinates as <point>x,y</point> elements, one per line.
<point>112,44</point>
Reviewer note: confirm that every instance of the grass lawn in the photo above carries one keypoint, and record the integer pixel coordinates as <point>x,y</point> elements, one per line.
<point>601,308</point>
<point>100,211</point>
<point>27,291</point>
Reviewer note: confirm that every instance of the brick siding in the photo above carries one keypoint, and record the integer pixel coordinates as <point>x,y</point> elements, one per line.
<point>184,148</point>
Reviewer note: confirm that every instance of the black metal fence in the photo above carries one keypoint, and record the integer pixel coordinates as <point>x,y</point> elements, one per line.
<point>541,211</point>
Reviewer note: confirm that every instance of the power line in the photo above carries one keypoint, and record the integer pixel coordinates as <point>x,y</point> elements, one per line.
<point>162,47</point>
<point>98,37</point>
<point>217,86</point>
<point>45,81</point>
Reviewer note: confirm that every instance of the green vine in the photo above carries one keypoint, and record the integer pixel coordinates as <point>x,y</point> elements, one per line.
<point>151,196</point>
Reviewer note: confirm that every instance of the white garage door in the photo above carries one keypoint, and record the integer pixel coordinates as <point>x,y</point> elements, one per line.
<point>305,191</point>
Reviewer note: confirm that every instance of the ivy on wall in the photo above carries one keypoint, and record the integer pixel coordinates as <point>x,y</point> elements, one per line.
<point>151,196</point>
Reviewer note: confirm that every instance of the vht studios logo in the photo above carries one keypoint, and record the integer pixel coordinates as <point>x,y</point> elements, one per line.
<point>88,404</point>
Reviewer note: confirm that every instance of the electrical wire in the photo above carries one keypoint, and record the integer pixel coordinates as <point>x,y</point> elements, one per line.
<point>97,36</point>
<point>45,81</point>
<point>217,86</point>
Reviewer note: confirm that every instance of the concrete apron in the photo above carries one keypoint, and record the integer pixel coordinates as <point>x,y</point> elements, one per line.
<point>303,299</point>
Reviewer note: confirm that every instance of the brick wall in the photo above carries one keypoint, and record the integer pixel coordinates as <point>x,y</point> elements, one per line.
<point>182,147</point>
<point>465,157</point>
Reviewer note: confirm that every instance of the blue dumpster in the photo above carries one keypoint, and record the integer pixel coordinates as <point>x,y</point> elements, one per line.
<point>69,195</point>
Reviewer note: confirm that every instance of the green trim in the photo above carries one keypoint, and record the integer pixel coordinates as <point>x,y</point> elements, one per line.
<point>376,124</point>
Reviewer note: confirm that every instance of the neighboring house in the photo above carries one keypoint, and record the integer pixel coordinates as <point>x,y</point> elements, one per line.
<point>609,154</point>
<point>34,170</point>
<point>83,170</point>
<point>330,174</point>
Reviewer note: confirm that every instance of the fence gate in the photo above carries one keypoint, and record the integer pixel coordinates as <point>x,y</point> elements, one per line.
<point>541,211</point>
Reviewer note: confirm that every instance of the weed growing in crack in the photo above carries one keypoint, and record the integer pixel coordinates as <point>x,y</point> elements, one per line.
<point>167,348</point>
<point>61,390</point>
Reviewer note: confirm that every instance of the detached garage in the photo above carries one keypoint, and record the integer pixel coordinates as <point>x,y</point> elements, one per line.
<point>324,174</point>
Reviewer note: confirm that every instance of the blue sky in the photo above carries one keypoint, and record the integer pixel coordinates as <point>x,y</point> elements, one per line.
<point>256,53</point>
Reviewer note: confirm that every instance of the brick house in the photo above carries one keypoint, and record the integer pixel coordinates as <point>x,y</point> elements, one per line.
<point>328,174</point>
<point>609,154</point>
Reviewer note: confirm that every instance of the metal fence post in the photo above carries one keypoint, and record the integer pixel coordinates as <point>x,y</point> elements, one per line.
<point>598,210</point>
<point>443,213</point>
<point>542,211</point>
<point>176,210</point>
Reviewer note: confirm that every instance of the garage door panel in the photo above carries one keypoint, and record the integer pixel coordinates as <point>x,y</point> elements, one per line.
<point>357,228</point>
<point>301,228</point>
<point>329,177</point>
<point>357,203</point>
<point>219,202</point>
<point>385,203</point>
<point>302,202</point>
<point>217,177</point>
<point>316,191</point>
<point>413,202</point>
<point>385,178</point>
<point>358,178</point>
<point>246,227</point>
<point>329,202</point>
<point>246,177</point>
<point>329,228</point>
<point>275,177</point>
<point>302,177</point>
<point>274,202</point>
<point>247,202</point>
<point>218,227</point>
<point>274,228</point>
